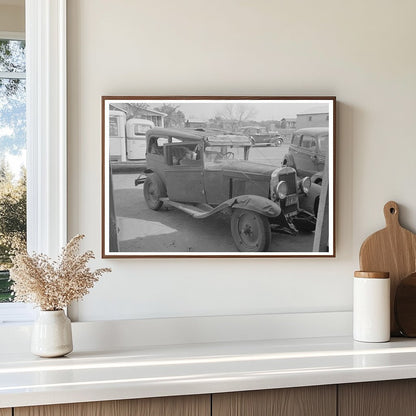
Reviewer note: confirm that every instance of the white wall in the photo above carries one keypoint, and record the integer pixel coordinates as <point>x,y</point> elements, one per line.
<point>361,51</point>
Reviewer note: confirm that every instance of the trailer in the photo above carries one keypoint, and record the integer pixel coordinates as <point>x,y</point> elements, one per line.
<point>127,137</point>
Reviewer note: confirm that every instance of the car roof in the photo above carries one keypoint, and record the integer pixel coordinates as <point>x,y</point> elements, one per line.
<point>313,131</point>
<point>212,136</point>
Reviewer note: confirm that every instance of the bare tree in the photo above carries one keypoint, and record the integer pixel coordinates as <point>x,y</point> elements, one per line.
<point>134,110</point>
<point>174,116</point>
<point>235,114</point>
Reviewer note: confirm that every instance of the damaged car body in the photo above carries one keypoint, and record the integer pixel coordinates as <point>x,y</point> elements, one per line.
<point>204,172</point>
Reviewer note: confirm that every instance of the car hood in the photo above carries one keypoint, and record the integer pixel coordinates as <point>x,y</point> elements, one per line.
<point>247,167</point>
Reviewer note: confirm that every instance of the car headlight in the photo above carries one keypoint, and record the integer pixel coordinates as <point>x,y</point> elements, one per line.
<point>281,190</point>
<point>305,185</point>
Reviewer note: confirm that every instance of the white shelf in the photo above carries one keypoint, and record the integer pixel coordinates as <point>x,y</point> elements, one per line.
<point>149,371</point>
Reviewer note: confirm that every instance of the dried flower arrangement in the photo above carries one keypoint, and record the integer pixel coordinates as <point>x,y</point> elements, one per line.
<point>52,285</point>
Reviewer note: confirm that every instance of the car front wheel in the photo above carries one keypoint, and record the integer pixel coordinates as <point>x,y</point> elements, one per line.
<point>152,193</point>
<point>250,231</point>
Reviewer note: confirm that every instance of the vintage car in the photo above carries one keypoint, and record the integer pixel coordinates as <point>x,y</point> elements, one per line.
<point>308,151</point>
<point>260,136</point>
<point>203,172</point>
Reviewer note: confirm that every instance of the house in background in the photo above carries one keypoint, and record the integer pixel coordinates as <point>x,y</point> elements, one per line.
<point>134,111</point>
<point>288,123</point>
<point>313,117</point>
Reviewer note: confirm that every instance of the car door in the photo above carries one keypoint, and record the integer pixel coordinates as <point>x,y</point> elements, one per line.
<point>295,148</point>
<point>306,163</point>
<point>322,152</point>
<point>184,178</point>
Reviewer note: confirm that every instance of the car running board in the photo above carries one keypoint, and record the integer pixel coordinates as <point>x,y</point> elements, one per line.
<point>249,202</point>
<point>196,211</point>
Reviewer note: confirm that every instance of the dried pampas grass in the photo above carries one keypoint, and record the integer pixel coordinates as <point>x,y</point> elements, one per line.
<point>52,285</point>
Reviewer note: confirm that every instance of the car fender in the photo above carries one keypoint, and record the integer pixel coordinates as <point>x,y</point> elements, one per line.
<point>290,161</point>
<point>155,177</point>
<point>255,203</point>
<point>307,202</point>
<point>317,178</point>
<point>142,177</point>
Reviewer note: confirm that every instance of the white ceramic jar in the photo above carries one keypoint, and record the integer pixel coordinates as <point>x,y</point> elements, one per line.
<point>52,334</point>
<point>371,308</point>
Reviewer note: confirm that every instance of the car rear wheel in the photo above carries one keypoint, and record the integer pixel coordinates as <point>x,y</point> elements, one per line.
<point>152,191</point>
<point>250,230</point>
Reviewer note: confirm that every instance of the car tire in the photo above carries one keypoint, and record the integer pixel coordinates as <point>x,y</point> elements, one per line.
<point>152,190</point>
<point>250,230</point>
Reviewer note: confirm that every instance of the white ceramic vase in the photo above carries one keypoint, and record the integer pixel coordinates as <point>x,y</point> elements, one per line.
<point>52,334</point>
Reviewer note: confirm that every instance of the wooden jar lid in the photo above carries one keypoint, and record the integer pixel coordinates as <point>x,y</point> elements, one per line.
<point>372,275</point>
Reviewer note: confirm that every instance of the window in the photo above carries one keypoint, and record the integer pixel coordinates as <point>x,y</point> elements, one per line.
<point>156,145</point>
<point>308,142</point>
<point>46,135</point>
<point>323,144</point>
<point>214,156</point>
<point>114,126</point>
<point>296,139</point>
<point>141,129</point>
<point>12,156</point>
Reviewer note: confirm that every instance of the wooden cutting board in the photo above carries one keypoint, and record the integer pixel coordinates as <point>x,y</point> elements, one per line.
<point>392,250</point>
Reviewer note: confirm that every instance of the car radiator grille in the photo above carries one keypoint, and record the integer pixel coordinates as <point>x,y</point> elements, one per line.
<point>290,179</point>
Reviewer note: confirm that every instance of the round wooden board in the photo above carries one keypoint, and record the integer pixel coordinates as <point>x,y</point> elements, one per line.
<point>392,250</point>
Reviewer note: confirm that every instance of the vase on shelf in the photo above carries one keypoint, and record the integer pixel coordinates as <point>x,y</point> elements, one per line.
<point>52,334</point>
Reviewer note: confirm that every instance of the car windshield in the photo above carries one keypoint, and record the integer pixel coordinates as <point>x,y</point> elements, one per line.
<point>323,144</point>
<point>216,155</point>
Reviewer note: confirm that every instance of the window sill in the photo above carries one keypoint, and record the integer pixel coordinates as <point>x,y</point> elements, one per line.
<point>16,313</point>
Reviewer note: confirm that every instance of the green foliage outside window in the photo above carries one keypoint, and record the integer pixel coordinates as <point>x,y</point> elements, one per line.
<point>12,224</point>
<point>12,148</point>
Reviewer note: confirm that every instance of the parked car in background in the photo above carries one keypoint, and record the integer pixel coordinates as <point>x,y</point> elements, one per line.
<point>259,135</point>
<point>204,172</point>
<point>308,152</point>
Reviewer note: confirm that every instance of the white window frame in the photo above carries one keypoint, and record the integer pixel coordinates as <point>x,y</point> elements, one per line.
<point>46,125</point>
<point>46,134</point>
<point>12,35</point>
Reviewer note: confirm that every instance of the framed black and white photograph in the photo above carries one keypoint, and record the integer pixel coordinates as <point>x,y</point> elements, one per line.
<point>218,176</point>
